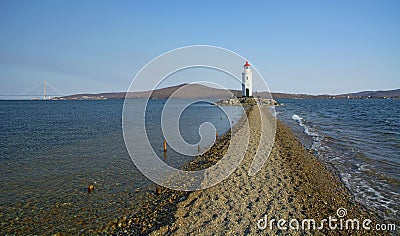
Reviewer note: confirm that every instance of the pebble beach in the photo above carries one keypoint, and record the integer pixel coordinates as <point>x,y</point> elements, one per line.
<point>292,184</point>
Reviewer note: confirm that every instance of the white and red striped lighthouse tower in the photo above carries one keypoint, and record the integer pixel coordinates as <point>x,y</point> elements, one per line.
<point>247,81</point>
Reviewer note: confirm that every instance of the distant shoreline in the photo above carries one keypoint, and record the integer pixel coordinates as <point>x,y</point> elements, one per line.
<point>275,97</point>
<point>197,91</point>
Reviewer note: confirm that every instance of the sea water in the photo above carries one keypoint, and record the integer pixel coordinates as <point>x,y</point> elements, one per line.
<point>50,151</point>
<point>360,139</point>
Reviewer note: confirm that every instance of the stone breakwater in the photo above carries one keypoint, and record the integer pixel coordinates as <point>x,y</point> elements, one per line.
<point>244,101</point>
<point>292,184</point>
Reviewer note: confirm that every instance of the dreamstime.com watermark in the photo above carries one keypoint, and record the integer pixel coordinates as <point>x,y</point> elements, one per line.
<point>163,68</point>
<point>338,222</point>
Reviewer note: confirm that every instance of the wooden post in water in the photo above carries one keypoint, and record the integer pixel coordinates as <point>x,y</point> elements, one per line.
<point>90,188</point>
<point>165,145</point>
<point>216,135</point>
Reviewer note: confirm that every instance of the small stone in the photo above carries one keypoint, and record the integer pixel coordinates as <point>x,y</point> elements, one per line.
<point>158,190</point>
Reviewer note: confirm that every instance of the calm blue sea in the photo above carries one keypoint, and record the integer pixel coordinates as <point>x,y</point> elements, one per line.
<point>360,139</point>
<point>50,151</point>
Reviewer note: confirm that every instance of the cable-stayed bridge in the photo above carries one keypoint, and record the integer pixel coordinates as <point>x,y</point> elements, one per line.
<point>43,91</point>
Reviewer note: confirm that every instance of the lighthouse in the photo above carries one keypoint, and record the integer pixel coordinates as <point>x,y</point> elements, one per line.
<point>247,81</point>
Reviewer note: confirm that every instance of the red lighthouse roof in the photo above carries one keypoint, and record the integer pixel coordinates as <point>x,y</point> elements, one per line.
<point>247,64</point>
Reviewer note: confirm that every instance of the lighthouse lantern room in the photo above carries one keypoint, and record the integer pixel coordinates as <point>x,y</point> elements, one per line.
<point>247,81</point>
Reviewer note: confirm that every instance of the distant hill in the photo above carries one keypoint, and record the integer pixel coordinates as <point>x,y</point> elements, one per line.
<point>374,94</point>
<point>195,91</point>
<point>187,91</point>
<point>364,94</point>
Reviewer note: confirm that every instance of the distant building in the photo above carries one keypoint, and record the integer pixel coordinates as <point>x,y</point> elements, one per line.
<point>247,81</point>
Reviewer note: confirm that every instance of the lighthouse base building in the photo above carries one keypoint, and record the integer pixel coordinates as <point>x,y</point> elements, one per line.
<point>247,81</point>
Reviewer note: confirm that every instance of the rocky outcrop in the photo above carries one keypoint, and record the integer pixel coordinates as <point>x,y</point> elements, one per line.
<point>246,101</point>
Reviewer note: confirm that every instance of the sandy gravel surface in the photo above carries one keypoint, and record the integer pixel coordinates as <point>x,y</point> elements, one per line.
<point>292,184</point>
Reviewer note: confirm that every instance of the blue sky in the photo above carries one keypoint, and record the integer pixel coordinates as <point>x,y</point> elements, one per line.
<point>310,47</point>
